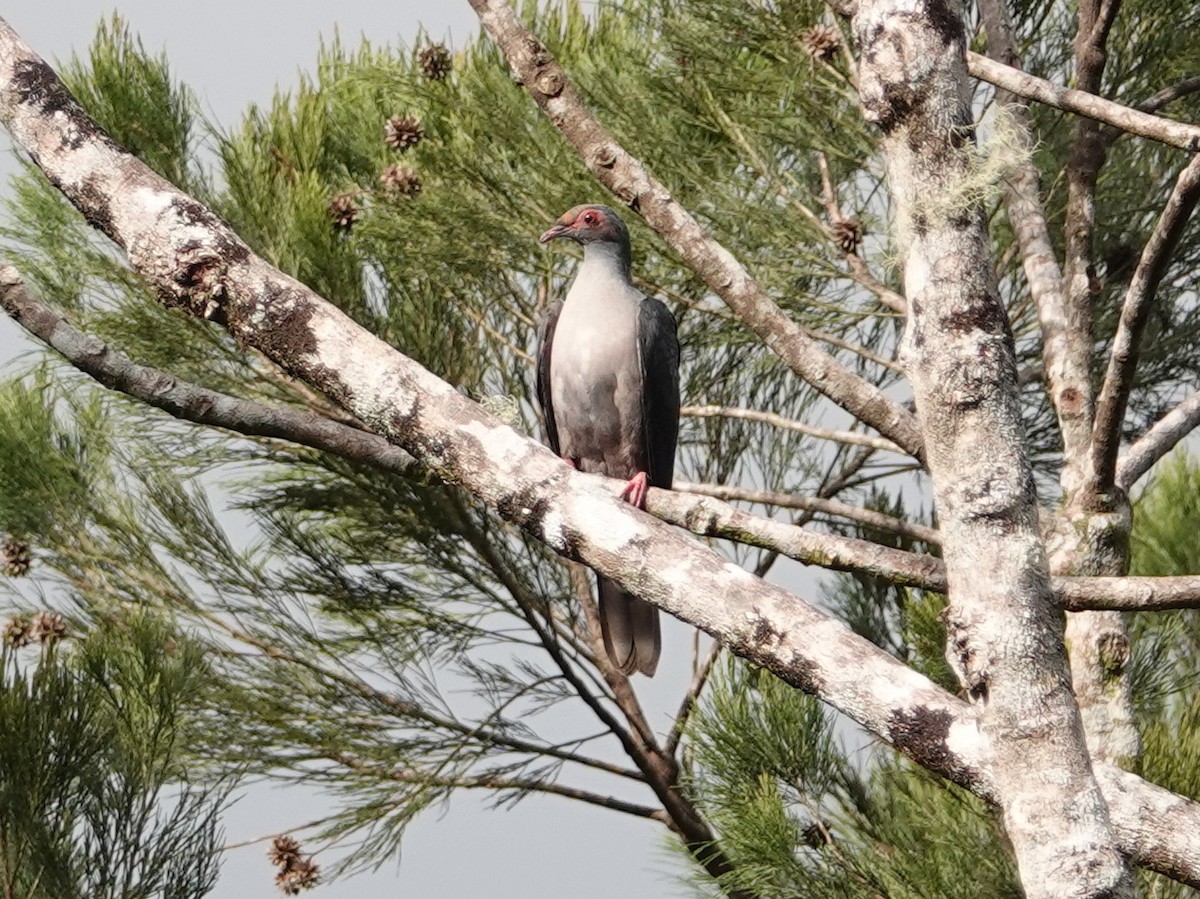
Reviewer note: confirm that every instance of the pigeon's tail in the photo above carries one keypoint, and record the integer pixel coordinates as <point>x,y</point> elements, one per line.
<point>632,636</point>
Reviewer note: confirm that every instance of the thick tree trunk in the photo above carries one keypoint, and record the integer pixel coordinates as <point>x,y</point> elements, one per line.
<point>1004,638</point>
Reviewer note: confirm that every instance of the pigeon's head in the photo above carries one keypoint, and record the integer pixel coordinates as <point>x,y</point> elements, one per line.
<point>588,225</point>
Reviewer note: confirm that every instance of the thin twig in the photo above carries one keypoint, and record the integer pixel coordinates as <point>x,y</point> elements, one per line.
<point>834,507</point>
<point>497,784</point>
<point>1159,440</point>
<point>779,421</point>
<point>1139,298</point>
<point>699,679</point>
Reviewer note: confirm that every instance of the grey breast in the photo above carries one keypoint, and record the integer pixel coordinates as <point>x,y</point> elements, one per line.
<point>596,381</point>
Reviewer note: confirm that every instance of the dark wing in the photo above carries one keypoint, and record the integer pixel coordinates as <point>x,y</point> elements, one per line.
<point>545,342</point>
<point>658,356</point>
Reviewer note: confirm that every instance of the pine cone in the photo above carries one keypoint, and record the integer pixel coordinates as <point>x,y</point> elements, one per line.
<point>16,632</point>
<point>284,851</point>
<point>48,627</point>
<point>402,132</point>
<point>848,234</point>
<point>301,875</point>
<point>400,179</point>
<point>15,557</point>
<point>435,61</point>
<point>343,209</point>
<point>822,42</point>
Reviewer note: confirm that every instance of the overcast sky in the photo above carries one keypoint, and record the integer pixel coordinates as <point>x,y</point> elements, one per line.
<point>233,54</point>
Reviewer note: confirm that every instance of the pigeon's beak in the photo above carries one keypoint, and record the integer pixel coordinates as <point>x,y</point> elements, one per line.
<point>558,230</point>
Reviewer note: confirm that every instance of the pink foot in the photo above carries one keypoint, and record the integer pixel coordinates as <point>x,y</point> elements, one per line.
<point>572,462</point>
<point>635,491</point>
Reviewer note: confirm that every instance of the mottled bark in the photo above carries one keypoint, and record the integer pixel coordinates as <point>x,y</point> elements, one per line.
<point>1005,638</point>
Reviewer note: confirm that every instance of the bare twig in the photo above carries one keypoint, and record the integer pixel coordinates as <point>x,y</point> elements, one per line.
<point>1159,440</point>
<point>814,504</point>
<point>1139,298</point>
<point>699,679</point>
<point>497,783</point>
<point>535,67</point>
<point>780,421</point>
<point>1167,131</point>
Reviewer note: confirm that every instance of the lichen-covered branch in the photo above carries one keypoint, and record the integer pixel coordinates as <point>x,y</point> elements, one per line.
<point>191,402</point>
<point>1005,638</point>
<point>1066,341</point>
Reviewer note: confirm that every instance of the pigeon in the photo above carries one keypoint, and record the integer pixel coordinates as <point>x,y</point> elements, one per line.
<point>608,385</point>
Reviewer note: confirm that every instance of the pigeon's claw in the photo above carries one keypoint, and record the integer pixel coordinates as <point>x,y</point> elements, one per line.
<point>635,491</point>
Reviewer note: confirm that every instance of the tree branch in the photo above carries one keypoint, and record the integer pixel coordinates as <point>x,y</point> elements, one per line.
<point>1139,298</point>
<point>188,401</point>
<point>780,421</point>
<point>1159,440</point>
<point>1167,131</point>
<point>832,507</point>
<point>709,517</point>
<point>534,67</point>
<point>1066,341</point>
<point>1170,94</point>
<point>1128,594</point>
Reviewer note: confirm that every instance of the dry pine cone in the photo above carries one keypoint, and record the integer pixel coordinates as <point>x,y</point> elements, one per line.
<point>435,61</point>
<point>848,234</point>
<point>48,627</point>
<point>400,179</point>
<point>296,872</point>
<point>16,632</point>
<point>343,209</point>
<point>15,557</point>
<point>402,132</point>
<point>822,42</point>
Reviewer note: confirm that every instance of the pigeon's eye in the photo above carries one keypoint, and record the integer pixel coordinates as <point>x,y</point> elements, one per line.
<point>589,218</point>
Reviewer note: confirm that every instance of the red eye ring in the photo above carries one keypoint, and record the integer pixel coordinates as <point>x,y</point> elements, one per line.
<point>589,218</point>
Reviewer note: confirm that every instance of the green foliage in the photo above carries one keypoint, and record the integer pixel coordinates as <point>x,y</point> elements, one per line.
<point>95,799</point>
<point>802,817</point>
